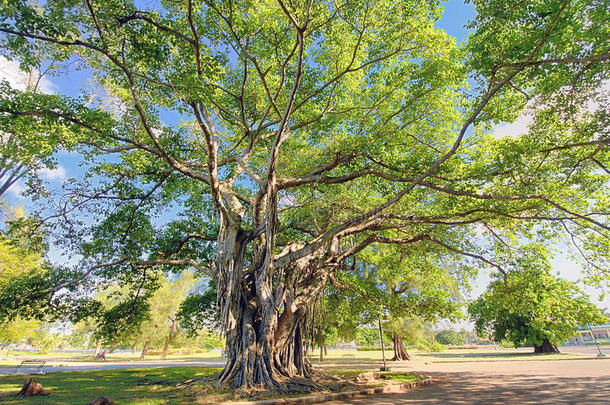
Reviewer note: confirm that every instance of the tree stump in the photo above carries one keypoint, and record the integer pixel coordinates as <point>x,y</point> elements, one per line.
<point>32,388</point>
<point>102,401</point>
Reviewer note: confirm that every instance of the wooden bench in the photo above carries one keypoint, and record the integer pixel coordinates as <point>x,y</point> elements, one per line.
<point>31,363</point>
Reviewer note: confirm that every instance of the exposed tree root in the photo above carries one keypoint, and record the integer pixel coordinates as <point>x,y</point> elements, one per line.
<point>208,389</point>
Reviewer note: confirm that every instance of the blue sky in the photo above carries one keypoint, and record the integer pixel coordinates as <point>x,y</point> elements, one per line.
<point>74,81</point>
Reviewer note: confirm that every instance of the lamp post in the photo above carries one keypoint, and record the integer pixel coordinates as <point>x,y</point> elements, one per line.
<point>600,354</point>
<point>384,368</point>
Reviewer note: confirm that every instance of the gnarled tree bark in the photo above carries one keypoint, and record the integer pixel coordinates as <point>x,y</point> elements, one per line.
<point>264,313</point>
<point>546,347</point>
<point>400,352</point>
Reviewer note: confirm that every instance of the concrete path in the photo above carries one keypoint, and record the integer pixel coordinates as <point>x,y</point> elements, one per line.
<point>505,382</point>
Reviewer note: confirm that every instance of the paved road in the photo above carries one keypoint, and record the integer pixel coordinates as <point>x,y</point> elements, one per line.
<point>506,382</point>
<point>58,366</point>
<point>590,350</point>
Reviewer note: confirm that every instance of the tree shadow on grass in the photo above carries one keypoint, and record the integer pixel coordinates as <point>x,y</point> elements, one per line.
<point>121,385</point>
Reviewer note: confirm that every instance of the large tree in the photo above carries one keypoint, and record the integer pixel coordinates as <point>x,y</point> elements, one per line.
<point>314,130</point>
<point>403,285</point>
<point>533,307</point>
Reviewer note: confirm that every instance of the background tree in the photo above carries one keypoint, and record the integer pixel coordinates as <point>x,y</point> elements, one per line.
<point>198,312</point>
<point>47,340</point>
<point>306,132</point>
<point>449,337</point>
<point>16,331</point>
<point>24,272</point>
<point>400,284</point>
<point>533,307</point>
<point>161,324</point>
<point>24,155</point>
<point>367,336</point>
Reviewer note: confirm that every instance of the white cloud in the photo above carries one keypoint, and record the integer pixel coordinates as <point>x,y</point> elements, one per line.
<point>16,189</point>
<point>18,79</point>
<point>56,174</point>
<point>595,101</point>
<point>514,129</point>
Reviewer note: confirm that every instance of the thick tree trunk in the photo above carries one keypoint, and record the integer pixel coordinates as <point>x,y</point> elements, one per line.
<point>256,358</point>
<point>290,358</point>
<point>264,337</point>
<point>546,347</point>
<point>262,313</point>
<point>134,347</point>
<point>400,352</point>
<point>144,349</point>
<point>98,345</point>
<point>169,339</point>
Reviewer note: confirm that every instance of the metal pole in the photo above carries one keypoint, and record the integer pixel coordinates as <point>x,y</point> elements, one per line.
<point>595,340</point>
<point>382,347</point>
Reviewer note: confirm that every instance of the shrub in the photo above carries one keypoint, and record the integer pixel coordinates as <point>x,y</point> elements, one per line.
<point>435,346</point>
<point>449,337</point>
<point>430,345</point>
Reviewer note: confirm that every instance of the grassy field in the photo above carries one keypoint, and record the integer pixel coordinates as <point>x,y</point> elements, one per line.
<point>15,357</point>
<point>334,356</point>
<point>155,385</point>
<point>128,386</point>
<point>347,357</point>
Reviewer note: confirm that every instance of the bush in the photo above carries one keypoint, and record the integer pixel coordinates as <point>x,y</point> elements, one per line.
<point>449,337</point>
<point>430,345</point>
<point>507,344</point>
<point>601,343</point>
<point>435,346</point>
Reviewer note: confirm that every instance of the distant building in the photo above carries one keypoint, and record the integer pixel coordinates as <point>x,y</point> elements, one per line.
<point>585,335</point>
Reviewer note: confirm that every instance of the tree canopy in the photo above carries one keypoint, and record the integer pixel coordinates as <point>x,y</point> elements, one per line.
<point>268,143</point>
<point>533,307</point>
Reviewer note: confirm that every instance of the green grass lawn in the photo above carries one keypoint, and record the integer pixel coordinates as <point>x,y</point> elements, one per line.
<point>155,385</point>
<point>347,357</point>
<point>127,386</point>
<point>15,357</point>
<point>500,355</point>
